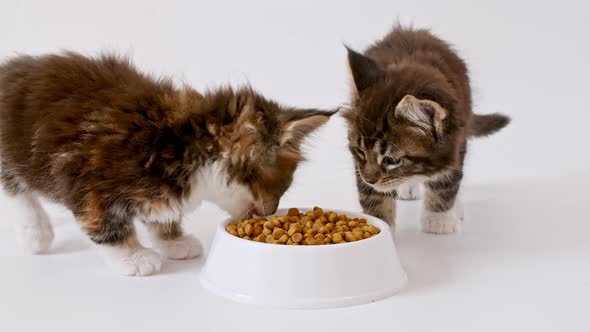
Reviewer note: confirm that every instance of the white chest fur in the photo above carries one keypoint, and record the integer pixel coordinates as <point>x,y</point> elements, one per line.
<point>209,183</point>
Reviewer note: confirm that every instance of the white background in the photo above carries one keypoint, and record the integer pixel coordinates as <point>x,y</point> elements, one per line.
<point>523,261</point>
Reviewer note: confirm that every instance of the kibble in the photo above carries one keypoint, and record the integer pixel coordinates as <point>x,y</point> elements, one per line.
<point>312,228</point>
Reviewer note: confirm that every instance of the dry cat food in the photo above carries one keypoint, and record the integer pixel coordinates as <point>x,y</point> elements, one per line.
<point>312,228</point>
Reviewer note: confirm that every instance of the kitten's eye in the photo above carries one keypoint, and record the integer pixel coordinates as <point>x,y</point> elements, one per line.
<point>391,162</point>
<point>360,153</point>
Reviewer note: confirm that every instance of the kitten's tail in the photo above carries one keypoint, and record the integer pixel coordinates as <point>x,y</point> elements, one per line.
<point>488,124</point>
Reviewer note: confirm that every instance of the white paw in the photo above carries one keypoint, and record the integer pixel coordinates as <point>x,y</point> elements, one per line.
<point>447,222</point>
<point>409,191</point>
<point>184,247</point>
<point>140,262</point>
<point>34,237</point>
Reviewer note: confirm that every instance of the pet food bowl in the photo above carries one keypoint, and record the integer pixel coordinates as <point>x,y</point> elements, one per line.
<point>321,276</point>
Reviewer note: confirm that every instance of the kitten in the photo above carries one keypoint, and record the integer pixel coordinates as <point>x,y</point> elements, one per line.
<point>409,121</point>
<point>114,145</point>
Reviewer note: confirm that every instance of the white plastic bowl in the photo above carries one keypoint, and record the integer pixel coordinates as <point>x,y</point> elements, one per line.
<point>321,276</point>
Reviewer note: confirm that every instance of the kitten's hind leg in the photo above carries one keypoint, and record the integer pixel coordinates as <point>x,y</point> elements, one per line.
<point>442,212</point>
<point>112,229</point>
<point>34,232</point>
<point>168,238</point>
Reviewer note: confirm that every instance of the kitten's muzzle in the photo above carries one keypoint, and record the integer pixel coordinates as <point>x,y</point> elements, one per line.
<point>266,207</point>
<point>370,174</point>
<point>370,178</point>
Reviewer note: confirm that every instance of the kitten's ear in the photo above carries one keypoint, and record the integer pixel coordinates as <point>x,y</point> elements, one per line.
<point>296,124</point>
<point>365,72</point>
<point>426,114</point>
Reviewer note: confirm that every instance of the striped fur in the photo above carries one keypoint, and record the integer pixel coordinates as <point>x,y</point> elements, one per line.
<point>376,203</point>
<point>409,120</point>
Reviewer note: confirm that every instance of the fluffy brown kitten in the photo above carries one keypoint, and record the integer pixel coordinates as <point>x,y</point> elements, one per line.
<point>114,145</point>
<point>409,121</point>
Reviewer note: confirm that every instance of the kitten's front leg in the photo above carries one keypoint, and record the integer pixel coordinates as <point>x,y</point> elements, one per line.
<point>409,191</point>
<point>377,204</point>
<point>168,238</point>
<point>442,212</point>
<point>111,228</point>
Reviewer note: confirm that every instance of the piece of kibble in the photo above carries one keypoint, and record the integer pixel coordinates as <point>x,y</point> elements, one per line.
<point>357,232</point>
<point>257,230</point>
<point>269,239</point>
<point>318,212</point>
<point>248,229</point>
<point>277,233</point>
<point>292,230</point>
<point>348,236</point>
<point>373,230</point>
<point>231,229</point>
<point>297,237</point>
<point>277,222</point>
<point>283,239</point>
<point>316,227</point>
<point>333,217</point>
<point>313,242</point>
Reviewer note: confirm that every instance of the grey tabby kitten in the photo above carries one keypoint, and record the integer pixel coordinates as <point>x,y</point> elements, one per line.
<point>409,121</point>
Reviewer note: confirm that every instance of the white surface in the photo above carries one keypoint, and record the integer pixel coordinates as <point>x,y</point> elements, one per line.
<point>306,277</point>
<point>523,260</point>
<point>522,263</point>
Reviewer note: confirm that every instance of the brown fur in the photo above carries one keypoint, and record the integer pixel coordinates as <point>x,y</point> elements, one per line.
<point>111,143</point>
<point>410,117</point>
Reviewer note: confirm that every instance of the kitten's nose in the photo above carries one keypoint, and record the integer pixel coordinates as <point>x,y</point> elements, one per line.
<point>370,177</point>
<point>267,207</point>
